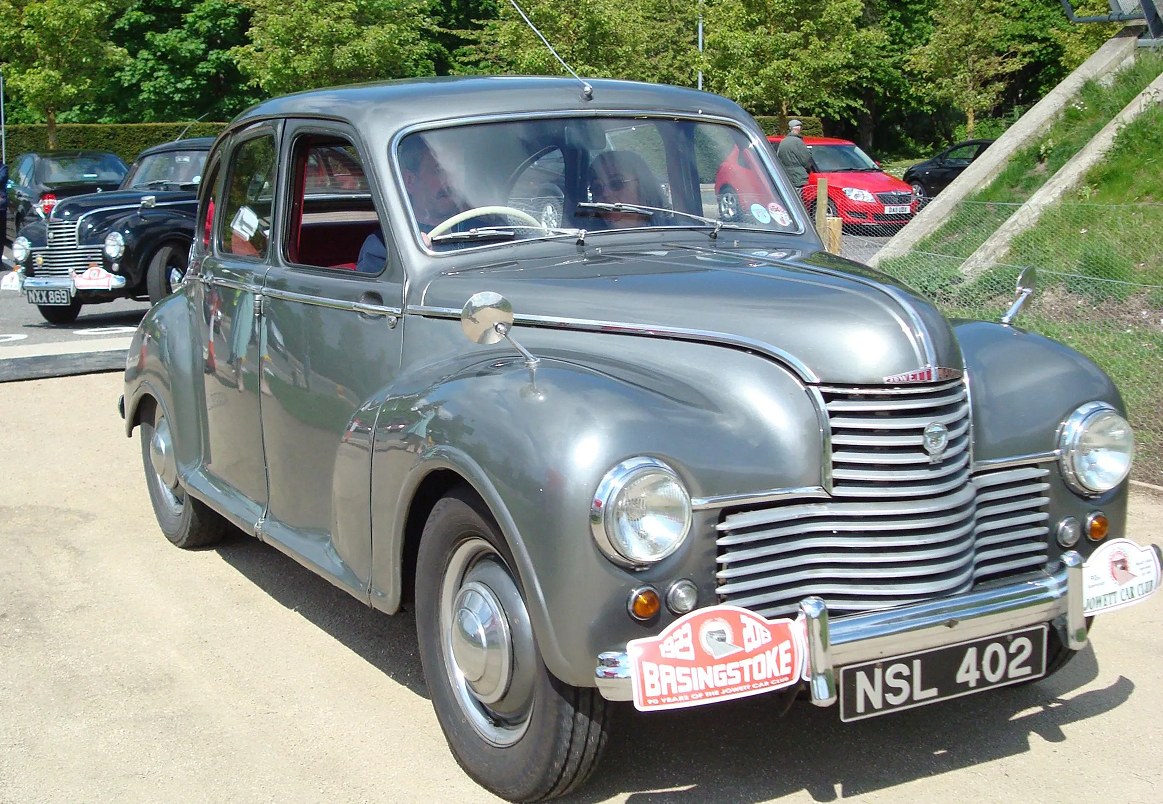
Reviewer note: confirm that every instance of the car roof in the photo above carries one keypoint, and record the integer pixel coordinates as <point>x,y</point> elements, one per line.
<point>400,104</point>
<point>191,144</point>
<point>815,140</point>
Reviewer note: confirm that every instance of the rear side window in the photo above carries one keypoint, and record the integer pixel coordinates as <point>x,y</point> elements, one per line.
<point>246,224</point>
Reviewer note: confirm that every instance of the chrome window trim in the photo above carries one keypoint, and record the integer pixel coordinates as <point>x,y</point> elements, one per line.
<point>642,330</point>
<point>232,284</point>
<point>757,497</point>
<point>760,144</point>
<point>990,464</point>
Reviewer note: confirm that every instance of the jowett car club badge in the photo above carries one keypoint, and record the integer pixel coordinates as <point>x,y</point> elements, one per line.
<point>716,654</point>
<point>1120,573</point>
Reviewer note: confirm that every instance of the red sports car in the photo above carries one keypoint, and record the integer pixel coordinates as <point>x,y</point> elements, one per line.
<point>859,192</point>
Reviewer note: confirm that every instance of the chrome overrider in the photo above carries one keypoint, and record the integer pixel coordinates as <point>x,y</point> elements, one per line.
<point>1054,598</point>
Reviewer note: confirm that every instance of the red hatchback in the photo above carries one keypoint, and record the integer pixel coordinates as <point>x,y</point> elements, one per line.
<point>859,192</point>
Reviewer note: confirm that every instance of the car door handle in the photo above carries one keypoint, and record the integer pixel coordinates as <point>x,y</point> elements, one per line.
<point>371,305</point>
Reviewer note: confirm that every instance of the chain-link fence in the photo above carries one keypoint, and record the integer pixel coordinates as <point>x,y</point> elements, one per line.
<point>1100,291</point>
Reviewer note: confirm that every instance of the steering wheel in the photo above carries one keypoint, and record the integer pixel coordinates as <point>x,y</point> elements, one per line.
<point>476,212</point>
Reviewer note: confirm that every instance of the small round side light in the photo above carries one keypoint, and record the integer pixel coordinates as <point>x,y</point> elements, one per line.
<point>1069,531</point>
<point>644,603</point>
<point>1097,526</point>
<point>682,596</point>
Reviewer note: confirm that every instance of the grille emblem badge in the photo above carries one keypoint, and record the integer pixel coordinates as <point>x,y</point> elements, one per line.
<point>935,439</point>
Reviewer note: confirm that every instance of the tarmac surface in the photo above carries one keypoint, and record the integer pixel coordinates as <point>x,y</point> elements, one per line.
<point>131,671</point>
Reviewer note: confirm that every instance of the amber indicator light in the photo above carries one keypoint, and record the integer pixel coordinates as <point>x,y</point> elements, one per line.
<point>1096,527</point>
<point>644,603</point>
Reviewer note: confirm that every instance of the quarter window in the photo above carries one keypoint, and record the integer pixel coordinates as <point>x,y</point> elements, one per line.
<point>246,224</point>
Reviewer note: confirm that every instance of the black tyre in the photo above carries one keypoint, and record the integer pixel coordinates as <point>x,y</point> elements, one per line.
<point>728,204</point>
<point>185,521</point>
<point>514,728</point>
<point>59,316</point>
<point>165,272</point>
<point>833,210</point>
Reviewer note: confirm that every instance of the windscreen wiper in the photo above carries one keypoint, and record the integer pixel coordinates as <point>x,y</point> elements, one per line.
<point>594,207</point>
<point>505,233</point>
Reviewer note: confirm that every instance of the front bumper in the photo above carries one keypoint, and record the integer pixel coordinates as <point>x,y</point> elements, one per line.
<point>24,283</point>
<point>1055,598</point>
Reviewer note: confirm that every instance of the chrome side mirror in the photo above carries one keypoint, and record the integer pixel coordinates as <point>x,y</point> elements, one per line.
<point>487,317</point>
<point>148,201</point>
<point>1027,284</point>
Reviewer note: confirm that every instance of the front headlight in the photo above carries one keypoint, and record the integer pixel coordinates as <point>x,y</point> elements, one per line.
<point>114,245</point>
<point>641,512</point>
<point>856,194</point>
<point>20,250</point>
<point>1097,448</point>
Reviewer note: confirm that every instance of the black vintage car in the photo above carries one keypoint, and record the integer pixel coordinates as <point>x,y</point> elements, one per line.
<point>37,181</point>
<point>934,174</point>
<point>132,242</point>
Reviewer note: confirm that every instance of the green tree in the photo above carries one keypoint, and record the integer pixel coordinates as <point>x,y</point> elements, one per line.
<point>785,56</point>
<point>180,65</point>
<point>967,61</point>
<point>59,54</point>
<point>305,44</point>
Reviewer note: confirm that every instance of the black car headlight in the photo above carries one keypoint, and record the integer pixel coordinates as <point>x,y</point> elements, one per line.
<point>114,245</point>
<point>1097,447</point>
<point>21,248</point>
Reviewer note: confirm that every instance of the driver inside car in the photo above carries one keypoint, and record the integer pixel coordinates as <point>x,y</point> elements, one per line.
<point>432,195</point>
<point>623,177</point>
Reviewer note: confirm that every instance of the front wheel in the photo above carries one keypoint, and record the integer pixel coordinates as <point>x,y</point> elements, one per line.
<point>514,728</point>
<point>59,316</point>
<point>728,204</point>
<point>186,522</point>
<point>166,271</point>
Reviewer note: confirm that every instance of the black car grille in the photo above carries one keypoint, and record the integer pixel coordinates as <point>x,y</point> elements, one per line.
<point>895,198</point>
<point>898,529</point>
<point>62,256</point>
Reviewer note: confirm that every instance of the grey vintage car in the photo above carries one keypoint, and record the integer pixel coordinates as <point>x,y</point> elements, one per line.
<point>503,364</point>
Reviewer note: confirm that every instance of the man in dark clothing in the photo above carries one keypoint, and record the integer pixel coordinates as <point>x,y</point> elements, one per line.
<point>794,155</point>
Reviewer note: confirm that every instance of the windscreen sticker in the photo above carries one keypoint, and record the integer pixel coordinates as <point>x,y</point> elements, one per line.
<point>760,214</point>
<point>779,214</point>
<point>1118,574</point>
<point>715,654</point>
<point>93,278</point>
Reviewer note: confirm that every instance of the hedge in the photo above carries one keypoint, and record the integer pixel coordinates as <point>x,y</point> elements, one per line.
<point>777,124</point>
<point>126,140</point>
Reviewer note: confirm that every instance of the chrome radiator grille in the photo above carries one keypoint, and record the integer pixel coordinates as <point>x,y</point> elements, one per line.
<point>898,528</point>
<point>63,256</point>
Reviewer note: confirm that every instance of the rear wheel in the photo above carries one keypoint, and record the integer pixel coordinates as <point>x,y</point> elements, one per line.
<point>166,271</point>
<point>514,728</point>
<point>186,522</point>
<point>58,316</point>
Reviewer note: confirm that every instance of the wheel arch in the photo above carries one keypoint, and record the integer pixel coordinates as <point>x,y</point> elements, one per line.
<point>440,470</point>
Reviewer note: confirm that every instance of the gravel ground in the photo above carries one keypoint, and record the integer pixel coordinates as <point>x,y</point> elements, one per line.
<point>136,672</point>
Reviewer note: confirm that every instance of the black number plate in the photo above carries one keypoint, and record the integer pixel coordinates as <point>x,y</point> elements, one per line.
<point>49,298</point>
<point>904,682</point>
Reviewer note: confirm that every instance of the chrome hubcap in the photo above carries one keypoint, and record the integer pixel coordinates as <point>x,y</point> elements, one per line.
<point>550,217</point>
<point>489,653</point>
<point>165,465</point>
<point>176,276</point>
<point>728,206</point>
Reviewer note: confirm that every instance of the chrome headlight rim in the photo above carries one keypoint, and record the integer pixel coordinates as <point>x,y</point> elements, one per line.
<point>114,245</point>
<point>1070,436</point>
<point>603,505</point>
<point>21,248</point>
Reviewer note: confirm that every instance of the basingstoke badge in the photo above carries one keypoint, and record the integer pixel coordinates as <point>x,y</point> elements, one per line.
<point>716,654</point>
<point>935,440</point>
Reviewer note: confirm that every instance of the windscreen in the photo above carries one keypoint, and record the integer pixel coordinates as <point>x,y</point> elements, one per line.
<point>169,170</point>
<point>474,184</point>
<point>840,158</point>
<point>104,169</point>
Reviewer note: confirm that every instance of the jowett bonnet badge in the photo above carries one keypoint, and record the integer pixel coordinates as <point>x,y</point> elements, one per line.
<point>935,439</point>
